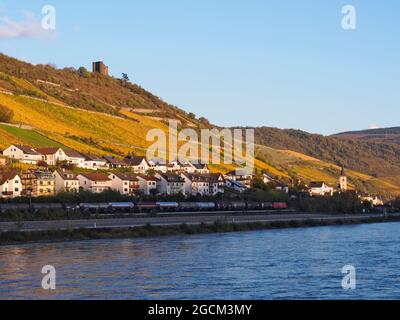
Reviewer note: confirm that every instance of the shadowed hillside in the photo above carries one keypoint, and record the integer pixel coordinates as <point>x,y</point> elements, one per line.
<point>379,159</point>
<point>384,135</point>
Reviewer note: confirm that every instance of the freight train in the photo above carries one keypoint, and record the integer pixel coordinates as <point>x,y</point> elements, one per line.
<point>148,207</point>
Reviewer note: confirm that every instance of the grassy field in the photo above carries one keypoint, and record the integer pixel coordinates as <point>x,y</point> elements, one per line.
<point>23,136</point>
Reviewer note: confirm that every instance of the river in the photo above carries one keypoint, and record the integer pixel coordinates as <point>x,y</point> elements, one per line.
<point>304,263</point>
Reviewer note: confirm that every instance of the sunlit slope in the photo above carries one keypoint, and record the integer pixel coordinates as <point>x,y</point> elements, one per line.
<point>80,129</point>
<point>309,169</point>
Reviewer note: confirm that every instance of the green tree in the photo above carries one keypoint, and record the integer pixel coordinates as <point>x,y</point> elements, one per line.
<point>83,72</point>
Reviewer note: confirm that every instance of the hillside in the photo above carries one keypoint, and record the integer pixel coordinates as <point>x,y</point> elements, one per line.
<point>103,115</point>
<point>84,90</point>
<point>384,135</point>
<point>378,159</point>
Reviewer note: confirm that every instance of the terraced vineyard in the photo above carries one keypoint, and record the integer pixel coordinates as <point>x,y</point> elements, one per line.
<point>101,115</point>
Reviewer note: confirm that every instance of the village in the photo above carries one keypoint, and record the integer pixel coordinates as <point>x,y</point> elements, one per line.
<point>60,170</point>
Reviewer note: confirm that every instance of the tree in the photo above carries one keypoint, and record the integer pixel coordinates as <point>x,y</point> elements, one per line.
<point>83,72</point>
<point>192,115</point>
<point>6,114</point>
<point>204,121</point>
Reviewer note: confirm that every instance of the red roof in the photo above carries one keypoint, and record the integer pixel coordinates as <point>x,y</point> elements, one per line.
<point>5,176</point>
<point>48,151</point>
<point>96,176</point>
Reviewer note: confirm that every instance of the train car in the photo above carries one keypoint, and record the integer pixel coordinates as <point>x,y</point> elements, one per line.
<point>251,205</point>
<point>279,206</point>
<point>147,207</point>
<point>71,206</point>
<point>94,207</point>
<point>121,206</point>
<point>14,207</point>
<point>168,206</point>
<point>48,206</point>
<point>266,205</point>
<point>228,205</point>
<point>188,206</point>
<point>205,206</point>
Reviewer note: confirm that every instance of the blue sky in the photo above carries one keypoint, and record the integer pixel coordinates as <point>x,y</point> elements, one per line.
<point>280,63</point>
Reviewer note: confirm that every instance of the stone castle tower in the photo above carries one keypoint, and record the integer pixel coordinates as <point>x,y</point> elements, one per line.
<point>343,181</point>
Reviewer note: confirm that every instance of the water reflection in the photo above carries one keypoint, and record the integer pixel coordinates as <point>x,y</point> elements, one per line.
<point>272,264</point>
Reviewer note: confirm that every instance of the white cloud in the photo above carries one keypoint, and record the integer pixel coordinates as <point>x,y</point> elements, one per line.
<point>29,27</point>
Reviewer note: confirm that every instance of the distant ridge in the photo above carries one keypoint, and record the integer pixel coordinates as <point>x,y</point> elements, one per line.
<point>381,135</point>
<point>380,131</point>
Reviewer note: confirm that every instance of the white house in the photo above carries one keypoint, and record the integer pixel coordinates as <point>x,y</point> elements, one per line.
<point>319,188</point>
<point>374,200</point>
<point>203,184</point>
<point>158,165</point>
<point>240,175</point>
<point>94,182</point>
<point>10,185</point>
<point>23,153</point>
<point>74,158</point>
<point>124,183</point>
<point>171,184</point>
<point>146,184</point>
<point>114,162</point>
<point>66,181</point>
<point>52,155</point>
<point>93,162</point>
<point>138,164</point>
<point>200,168</point>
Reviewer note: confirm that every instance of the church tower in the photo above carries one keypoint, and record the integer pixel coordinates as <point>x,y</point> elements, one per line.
<point>343,181</point>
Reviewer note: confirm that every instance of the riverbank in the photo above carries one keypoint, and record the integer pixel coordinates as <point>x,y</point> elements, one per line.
<point>148,230</point>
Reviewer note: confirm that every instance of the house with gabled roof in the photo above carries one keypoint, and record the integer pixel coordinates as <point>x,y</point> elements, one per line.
<point>10,184</point>
<point>124,182</point>
<point>147,184</point>
<point>319,188</point>
<point>75,158</point>
<point>94,162</point>
<point>200,168</point>
<point>114,162</point>
<point>138,164</point>
<point>66,181</point>
<point>23,153</point>
<point>203,184</point>
<point>170,184</point>
<point>94,182</point>
<point>52,155</point>
<point>158,165</point>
